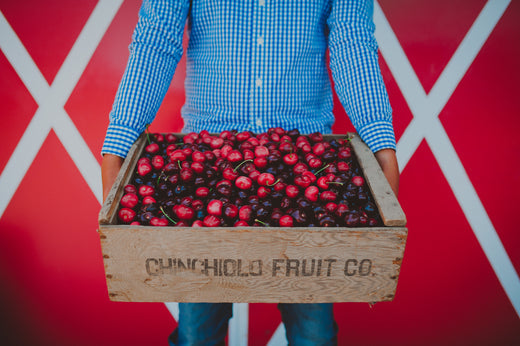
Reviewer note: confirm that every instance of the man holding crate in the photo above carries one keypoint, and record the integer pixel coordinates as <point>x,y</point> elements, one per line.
<point>253,65</point>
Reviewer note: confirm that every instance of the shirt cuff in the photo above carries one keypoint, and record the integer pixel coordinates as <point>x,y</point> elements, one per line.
<point>118,140</point>
<point>378,135</point>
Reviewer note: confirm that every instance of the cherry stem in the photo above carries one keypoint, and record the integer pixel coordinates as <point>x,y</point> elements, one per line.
<point>148,134</point>
<point>241,163</point>
<point>321,169</point>
<point>273,184</point>
<point>334,182</point>
<point>261,222</point>
<point>179,163</point>
<point>160,176</point>
<point>164,213</point>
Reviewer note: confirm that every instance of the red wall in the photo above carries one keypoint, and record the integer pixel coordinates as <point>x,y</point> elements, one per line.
<point>459,279</point>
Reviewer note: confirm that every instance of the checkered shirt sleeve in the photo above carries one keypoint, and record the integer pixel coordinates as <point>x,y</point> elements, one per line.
<point>252,65</point>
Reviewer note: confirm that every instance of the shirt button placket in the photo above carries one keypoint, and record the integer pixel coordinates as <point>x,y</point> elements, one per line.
<point>258,67</point>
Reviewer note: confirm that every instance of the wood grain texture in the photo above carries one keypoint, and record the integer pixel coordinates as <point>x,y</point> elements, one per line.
<point>356,265</point>
<point>386,201</point>
<point>254,264</point>
<point>107,214</point>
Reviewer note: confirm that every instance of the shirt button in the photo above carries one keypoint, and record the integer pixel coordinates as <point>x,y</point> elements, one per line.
<point>261,2</point>
<point>258,122</point>
<point>260,40</point>
<point>258,82</point>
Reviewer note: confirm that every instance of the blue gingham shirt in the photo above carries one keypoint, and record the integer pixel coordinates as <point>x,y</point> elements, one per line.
<point>252,65</point>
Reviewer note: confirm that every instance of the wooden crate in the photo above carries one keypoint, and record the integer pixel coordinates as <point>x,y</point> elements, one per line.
<point>255,264</point>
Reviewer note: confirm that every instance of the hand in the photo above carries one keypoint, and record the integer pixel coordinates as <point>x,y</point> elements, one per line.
<point>110,167</point>
<point>388,162</point>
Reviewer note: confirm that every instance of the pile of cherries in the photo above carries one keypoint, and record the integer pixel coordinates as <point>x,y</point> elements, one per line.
<point>278,178</point>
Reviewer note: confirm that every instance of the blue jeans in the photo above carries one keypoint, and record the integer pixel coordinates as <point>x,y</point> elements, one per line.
<point>207,323</point>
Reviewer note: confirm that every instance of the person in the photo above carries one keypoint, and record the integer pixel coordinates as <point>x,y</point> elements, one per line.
<point>253,65</point>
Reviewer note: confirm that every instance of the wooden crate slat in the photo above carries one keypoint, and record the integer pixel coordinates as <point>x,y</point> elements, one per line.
<point>140,261</point>
<point>385,199</point>
<point>355,264</point>
<point>108,212</point>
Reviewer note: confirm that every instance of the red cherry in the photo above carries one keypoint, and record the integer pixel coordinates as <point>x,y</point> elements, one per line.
<point>357,180</point>
<point>279,186</point>
<point>197,223</point>
<point>253,175</point>
<point>211,221</point>
<point>263,192</point>
<point>245,212</point>
<point>183,212</point>
<point>229,174</point>
<point>266,179</point>
<point>159,222</point>
<point>240,223</point>
<point>225,150</point>
<point>243,136</point>
<point>343,166</point>
<point>286,146</point>
<point>261,151</point>
<point>311,193</point>
<point>323,182</point>
<point>197,167</point>
<point>152,148</point>
<point>215,207</point>
<point>254,141</point>
<point>216,142</point>
<point>190,138</point>
<point>157,162</point>
<point>226,134</point>
<point>145,190</point>
<point>130,200</point>
<point>170,138</point>
<point>316,137</point>
<point>331,207</point>
<point>197,204</point>
<point>302,180</point>
<point>230,211</point>
<point>286,221</point>
<point>186,174</point>
<point>126,215</point>
<point>299,168</point>
<point>129,188</point>
<point>248,154</point>
<point>260,162</point>
<point>315,163</point>
<point>292,191</point>
<point>318,149</point>
<point>198,156</point>
<point>311,176</point>
<point>148,200</point>
<point>243,182</point>
<point>177,154</point>
<point>187,152</point>
<point>344,153</point>
<point>143,169</point>
<point>290,159</point>
<point>202,192</point>
<point>341,210</point>
<point>235,156</point>
<point>328,196</point>
<point>306,148</point>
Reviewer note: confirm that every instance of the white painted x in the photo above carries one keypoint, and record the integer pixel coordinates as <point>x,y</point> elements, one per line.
<point>426,125</point>
<point>51,101</point>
